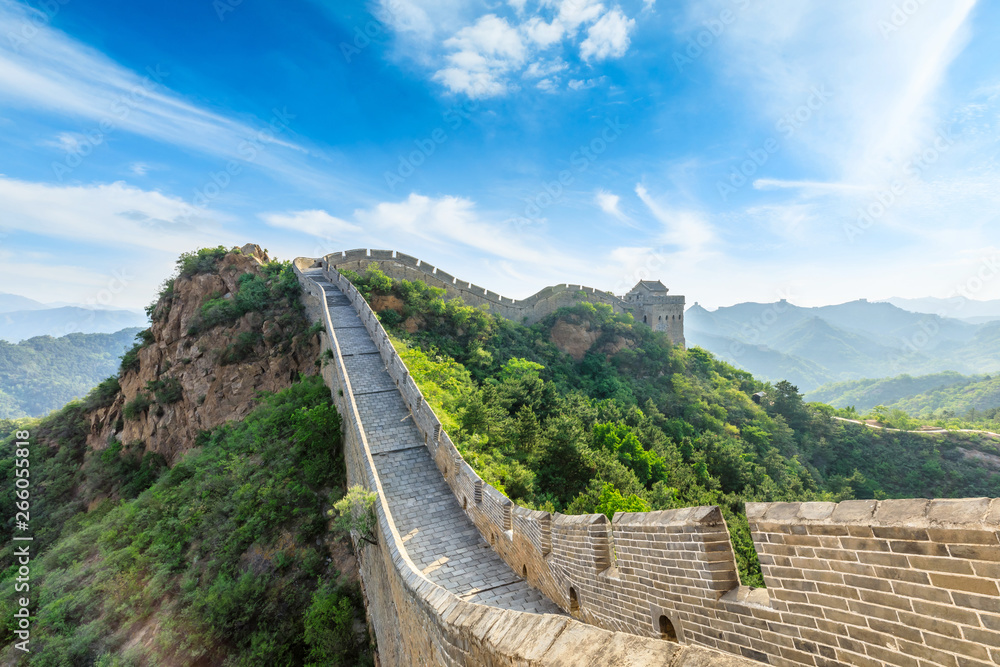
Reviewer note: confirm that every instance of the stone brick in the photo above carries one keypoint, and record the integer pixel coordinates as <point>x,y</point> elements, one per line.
<point>968,584</point>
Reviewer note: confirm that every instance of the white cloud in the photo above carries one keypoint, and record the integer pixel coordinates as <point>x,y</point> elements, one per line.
<point>584,84</point>
<point>316,223</point>
<point>542,68</point>
<point>573,13</point>
<point>483,54</point>
<point>685,230</point>
<point>445,223</point>
<point>608,38</point>
<point>67,142</point>
<point>543,33</point>
<point>482,57</point>
<point>139,168</point>
<point>608,202</point>
<point>115,214</point>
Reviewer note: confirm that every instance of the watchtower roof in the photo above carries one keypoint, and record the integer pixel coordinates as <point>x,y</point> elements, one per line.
<point>653,286</point>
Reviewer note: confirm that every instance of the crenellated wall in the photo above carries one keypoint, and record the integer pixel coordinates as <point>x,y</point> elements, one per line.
<point>895,582</point>
<point>528,311</point>
<point>417,622</point>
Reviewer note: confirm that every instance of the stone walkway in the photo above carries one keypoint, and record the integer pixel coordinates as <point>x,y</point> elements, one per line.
<point>437,535</point>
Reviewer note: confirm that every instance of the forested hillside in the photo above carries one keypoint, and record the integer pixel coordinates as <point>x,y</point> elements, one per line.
<point>865,394</point>
<point>155,550</point>
<point>588,411</point>
<point>42,374</point>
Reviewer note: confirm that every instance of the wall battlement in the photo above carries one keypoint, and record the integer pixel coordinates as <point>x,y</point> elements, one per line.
<point>529,310</point>
<point>911,583</point>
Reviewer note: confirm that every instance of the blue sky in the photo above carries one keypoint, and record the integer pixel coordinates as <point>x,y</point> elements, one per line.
<point>736,149</point>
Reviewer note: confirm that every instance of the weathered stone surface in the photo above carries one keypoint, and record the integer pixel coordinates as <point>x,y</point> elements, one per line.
<point>212,394</point>
<point>911,582</point>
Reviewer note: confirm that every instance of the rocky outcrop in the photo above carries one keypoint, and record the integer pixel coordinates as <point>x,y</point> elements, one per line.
<point>211,391</point>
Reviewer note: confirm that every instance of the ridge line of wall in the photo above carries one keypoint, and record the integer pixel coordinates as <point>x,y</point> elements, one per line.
<point>418,622</point>
<point>893,582</point>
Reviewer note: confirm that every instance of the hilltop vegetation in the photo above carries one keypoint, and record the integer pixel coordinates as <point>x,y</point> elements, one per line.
<point>865,394</point>
<point>638,424</point>
<point>220,555</point>
<point>948,400</point>
<point>42,374</point>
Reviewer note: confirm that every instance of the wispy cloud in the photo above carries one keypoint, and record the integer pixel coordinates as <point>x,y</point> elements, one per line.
<point>106,215</point>
<point>58,75</point>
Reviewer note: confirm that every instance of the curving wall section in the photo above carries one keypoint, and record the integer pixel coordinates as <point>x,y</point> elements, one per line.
<point>418,622</point>
<point>894,582</point>
<point>528,310</point>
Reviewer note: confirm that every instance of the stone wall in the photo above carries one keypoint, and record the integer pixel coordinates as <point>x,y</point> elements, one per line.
<point>417,622</point>
<point>897,582</point>
<point>527,311</point>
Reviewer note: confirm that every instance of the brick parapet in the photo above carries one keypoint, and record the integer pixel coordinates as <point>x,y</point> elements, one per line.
<point>419,623</point>
<point>909,582</point>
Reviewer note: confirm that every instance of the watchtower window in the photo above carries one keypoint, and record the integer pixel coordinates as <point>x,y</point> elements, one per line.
<point>644,321</point>
<point>574,601</point>
<point>661,318</point>
<point>524,571</point>
<point>667,632</point>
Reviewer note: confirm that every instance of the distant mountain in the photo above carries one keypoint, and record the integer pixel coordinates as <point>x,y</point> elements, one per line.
<point>12,302</point>
<point>811,347</point>
<point>43,373</point>
<point>18,325</point>
<point>967,310</point>
<point>866,394</point>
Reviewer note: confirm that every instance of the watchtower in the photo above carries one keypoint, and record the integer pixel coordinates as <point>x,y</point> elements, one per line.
<point>664,312</point>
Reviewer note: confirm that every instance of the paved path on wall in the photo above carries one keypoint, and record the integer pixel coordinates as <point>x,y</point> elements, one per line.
<point>933,431</point>
<point>439,538</point>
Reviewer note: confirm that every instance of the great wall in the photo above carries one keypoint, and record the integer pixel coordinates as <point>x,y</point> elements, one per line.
<point>462,576</point>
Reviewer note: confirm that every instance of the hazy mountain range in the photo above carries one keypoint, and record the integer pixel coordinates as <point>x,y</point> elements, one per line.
<point>811,347</point>
<point>22,318</point>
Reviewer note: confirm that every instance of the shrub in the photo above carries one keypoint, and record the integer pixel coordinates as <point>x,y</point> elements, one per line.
<point>199,261</point>
<point>167,390</point>
<point>242,348</point>
<point>329,628</point>
<point>103,394</point>
<point>137,406</point>
<point>356,513</point>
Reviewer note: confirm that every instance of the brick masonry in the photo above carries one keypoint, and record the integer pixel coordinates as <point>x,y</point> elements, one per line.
<point>436,593</point>
<point>662,313</point>
<point>897,582</point>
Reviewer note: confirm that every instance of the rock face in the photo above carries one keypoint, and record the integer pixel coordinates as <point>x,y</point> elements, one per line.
<point>573,339</point>
<point>211,392</point>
